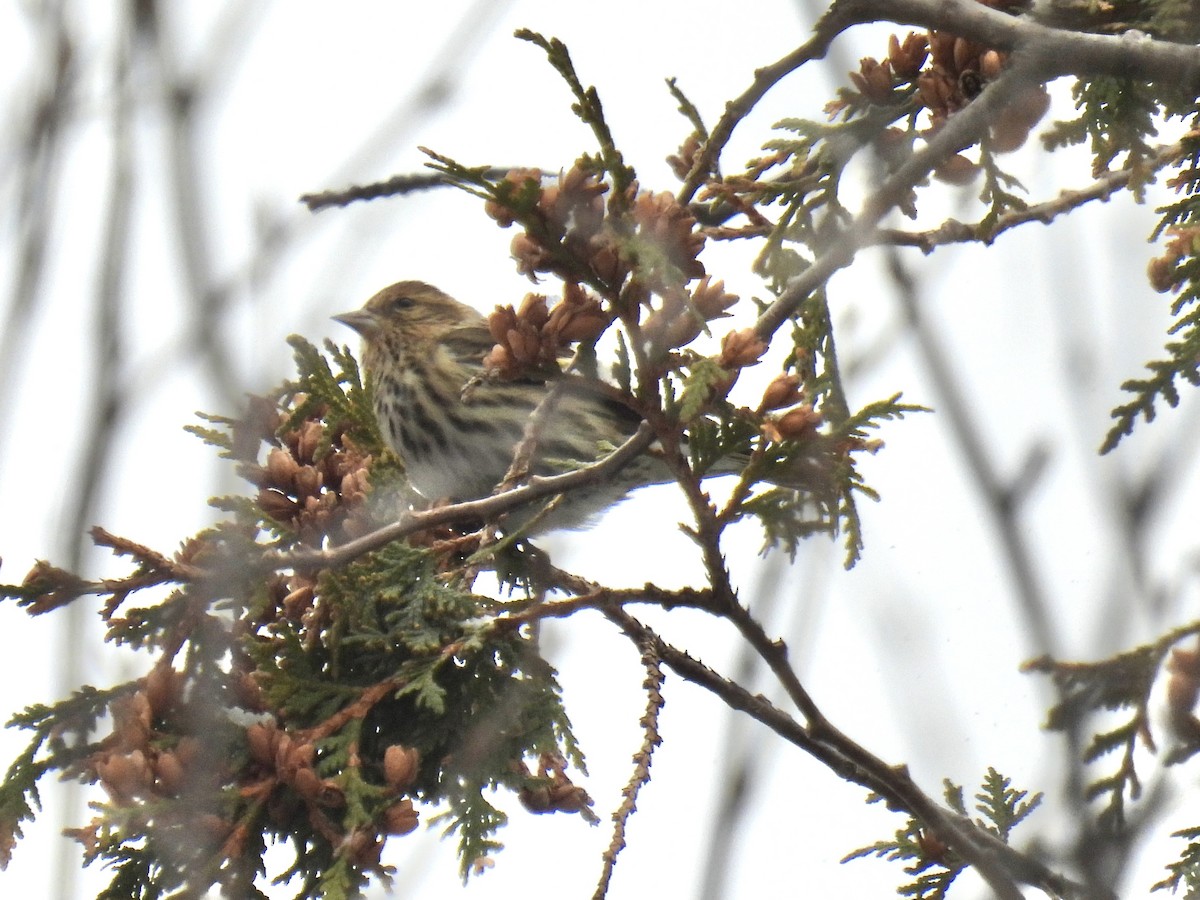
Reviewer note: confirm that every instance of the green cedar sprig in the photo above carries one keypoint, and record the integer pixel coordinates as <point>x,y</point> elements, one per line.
<point>1120,684</point>
<point>1178,270</point>
<point>933,867</point>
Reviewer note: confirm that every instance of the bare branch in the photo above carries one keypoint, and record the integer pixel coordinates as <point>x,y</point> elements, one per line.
<point>829,27</point>
<point>485,508</point>
<point>954,232</point>
<point>961,130</point>
<point>1057,51</point>
<point>641,768</point>
<point>397,185</point>
<point>1000,865</point>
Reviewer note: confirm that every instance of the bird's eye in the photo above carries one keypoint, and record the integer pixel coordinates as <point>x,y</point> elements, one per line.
<point>403,303</point>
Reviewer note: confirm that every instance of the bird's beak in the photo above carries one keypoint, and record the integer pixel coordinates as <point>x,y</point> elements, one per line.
<point>361,320</point>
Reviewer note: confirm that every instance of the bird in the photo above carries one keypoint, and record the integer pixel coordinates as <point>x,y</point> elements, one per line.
<point>456,427</point>
<point>422,348</point>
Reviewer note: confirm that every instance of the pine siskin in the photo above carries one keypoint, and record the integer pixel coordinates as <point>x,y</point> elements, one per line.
<point>456,430</point>
<point>421,348</point>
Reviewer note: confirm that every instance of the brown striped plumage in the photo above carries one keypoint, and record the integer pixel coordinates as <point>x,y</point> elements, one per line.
<point>420,349</point>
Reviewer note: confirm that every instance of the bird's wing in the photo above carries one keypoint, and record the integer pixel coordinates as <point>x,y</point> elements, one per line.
<point>469,344</point>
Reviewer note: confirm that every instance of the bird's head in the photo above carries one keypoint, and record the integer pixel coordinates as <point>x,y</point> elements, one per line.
<point>410,311</point>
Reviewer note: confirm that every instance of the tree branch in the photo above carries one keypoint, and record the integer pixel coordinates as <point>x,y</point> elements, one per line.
<point>651,738</point>
<point>1059,51</point>
<point>1000,865</point>
<point>961,130</point>
<point>953,231</point>
<point>389,187</point>
<point>829,27</point>
<point>484,508</point>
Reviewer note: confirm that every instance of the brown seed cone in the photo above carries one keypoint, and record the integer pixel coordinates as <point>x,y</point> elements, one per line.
<point>401,818</point>
<point>784,390</point>
<point>908,57</point>
<point>400,766</point>
<point>170,775</point>
<point>263,740</point>
<point>741,348</point>
<point>957,169</point>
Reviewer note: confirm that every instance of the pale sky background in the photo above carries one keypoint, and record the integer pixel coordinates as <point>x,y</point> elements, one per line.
<point>914,653</point>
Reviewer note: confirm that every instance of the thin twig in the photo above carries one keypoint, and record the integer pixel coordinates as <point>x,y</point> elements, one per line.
<point>599,597</point>
<point>651,738</point>
<point>472,509</point>
<point>829,27</point>
<point>953,231</point>
<point>395,186</point>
